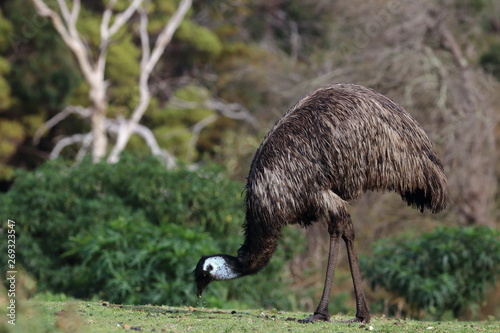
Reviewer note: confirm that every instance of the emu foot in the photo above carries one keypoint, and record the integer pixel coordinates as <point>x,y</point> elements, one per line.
<point>314,318</point>
<point>364,320</point>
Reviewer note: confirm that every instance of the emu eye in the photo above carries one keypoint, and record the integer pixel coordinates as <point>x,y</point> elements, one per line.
<point>209,268</point>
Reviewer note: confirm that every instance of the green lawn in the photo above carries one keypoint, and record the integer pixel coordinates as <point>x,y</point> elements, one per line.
<point>78,316</point>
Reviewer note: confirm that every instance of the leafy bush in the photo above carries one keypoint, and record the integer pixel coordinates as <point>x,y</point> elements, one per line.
<point>490,60</point>
<point>447,269</point>
<point>133,232</point>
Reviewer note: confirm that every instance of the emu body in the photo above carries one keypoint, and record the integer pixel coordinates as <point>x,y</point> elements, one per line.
<point>334,144</point>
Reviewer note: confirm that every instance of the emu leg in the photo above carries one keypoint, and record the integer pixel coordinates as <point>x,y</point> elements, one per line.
<point>362,311</point>
<point>321,312</point>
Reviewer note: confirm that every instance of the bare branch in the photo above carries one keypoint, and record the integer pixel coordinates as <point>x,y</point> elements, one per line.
<point>148,62</point>
<point>122,18</point>
<point>166,35</point>
<point>106,18</point>
<point>75,11</point>
<point>64,11</point>
<point>229,110</point>
<point>161,43</point>
<point>70,18</point>
<point>112,126</point>
<point>233,111</point>
<point>452,44</point>
<point>69,34</point>
<point>67,141</point>
<point>197,128</point>
<point>149,138</point>
<point>438,65</point>
<point>69,110</point>
<point>107,32</point>
<point>86,143</point>
<point>44,11</point>
<point>143,32</point>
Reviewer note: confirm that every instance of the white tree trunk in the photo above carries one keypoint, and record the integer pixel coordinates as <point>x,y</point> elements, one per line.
<point>100,139</point>
<point>64,22</point>
<point>148,62</point>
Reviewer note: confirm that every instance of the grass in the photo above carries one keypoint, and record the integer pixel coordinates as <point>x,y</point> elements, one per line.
<point>79,316</point>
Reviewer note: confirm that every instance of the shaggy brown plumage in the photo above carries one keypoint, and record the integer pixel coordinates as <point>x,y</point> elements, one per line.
<point>334,144</point>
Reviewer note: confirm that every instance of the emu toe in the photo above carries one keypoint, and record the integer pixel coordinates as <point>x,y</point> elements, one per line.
<point>314,318</point>
<point>364,320</point>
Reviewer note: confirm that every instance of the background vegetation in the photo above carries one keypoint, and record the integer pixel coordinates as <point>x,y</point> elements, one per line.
<point>448,269</point>
<point>133,232</point>
<point>96,230</point>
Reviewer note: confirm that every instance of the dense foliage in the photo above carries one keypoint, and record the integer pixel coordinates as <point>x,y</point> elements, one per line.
<point>133,232</point>
<point>447,269</point>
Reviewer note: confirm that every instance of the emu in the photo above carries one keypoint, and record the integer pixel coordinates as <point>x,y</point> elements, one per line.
<point>334,144</point>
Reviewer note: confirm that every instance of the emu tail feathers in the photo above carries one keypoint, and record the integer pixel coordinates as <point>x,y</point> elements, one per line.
<point>432,192</point>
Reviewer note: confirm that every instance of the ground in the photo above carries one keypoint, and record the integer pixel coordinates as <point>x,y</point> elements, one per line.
<point>79,316</point>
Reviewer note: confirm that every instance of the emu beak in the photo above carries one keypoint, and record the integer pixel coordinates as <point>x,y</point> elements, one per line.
<point>202,281</point>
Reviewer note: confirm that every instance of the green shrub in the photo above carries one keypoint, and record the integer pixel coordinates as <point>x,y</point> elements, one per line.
<point>446,270</point>
<point>490,60</point>
<point>133,232</point>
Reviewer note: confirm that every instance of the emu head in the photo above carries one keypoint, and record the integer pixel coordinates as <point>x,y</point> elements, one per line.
<point>214,268</point>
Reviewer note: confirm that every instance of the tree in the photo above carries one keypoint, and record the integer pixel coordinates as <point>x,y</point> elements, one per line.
<point>10,131</point>
<point>92,60</point>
